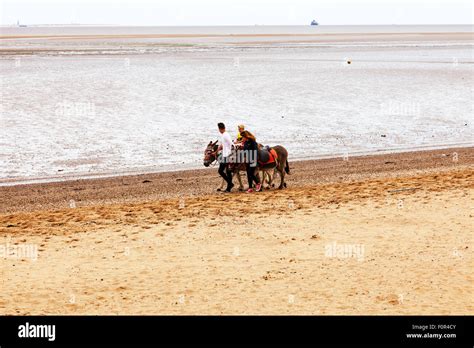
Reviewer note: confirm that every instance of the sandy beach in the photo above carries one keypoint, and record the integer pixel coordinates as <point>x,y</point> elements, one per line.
<point>387,233</point>
<point>383,234</point>
<point>350,221</point>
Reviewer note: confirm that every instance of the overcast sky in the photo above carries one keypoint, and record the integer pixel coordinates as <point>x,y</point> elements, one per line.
<point>236,12</point>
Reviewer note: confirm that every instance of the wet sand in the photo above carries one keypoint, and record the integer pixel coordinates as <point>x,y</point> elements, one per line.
<point>189,183</point>
<point>316,37</point>
<point>167,244</point>
<point>111,42</point>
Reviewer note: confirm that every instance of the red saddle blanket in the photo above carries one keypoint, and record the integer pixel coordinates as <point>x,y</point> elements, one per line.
<point>272,157</point>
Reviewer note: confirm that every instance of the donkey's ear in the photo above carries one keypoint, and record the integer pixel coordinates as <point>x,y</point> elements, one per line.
<point>214,142</point>
<point>210,143</point>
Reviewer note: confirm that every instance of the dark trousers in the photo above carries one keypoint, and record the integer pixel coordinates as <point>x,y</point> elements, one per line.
<point>251,175</point>
<point>225,173</point>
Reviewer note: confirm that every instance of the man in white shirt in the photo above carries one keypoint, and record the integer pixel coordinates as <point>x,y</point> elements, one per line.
<point>226,147</point>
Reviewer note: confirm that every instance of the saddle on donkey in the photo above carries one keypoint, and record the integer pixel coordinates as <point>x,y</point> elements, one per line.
<point>266,155</point>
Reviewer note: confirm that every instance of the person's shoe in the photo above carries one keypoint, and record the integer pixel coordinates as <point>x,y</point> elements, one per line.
<point>229,187</point>
<point>250,190</point>
<point>258,187</point>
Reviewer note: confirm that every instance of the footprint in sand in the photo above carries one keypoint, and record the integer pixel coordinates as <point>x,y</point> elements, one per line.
<point>392,299</point>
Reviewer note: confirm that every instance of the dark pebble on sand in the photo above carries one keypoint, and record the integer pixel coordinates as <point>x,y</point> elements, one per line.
<point>146,181</point>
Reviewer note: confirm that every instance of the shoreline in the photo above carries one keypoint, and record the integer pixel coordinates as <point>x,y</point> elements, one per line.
<point>189,167</point>
<point>203,182</point>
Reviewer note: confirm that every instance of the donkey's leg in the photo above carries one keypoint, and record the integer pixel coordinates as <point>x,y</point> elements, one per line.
<point>282,182</point>
<point>282,176</point>
<point>221,187</point>
<point>269,178</point>
<point>239,178</point>
<point>275,171</point>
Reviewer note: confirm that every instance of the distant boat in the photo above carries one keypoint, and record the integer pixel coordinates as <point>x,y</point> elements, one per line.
<point>314,22</point>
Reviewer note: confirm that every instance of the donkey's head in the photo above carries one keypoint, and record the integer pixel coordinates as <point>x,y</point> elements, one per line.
<point>210,153</point>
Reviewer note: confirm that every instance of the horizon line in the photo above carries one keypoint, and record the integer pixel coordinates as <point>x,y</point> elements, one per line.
<point>218,25</point>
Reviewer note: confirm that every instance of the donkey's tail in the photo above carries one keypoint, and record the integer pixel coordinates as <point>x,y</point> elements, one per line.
<point>287,167</point>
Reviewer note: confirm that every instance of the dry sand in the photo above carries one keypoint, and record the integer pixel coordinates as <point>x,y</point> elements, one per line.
<point>165,244</point>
